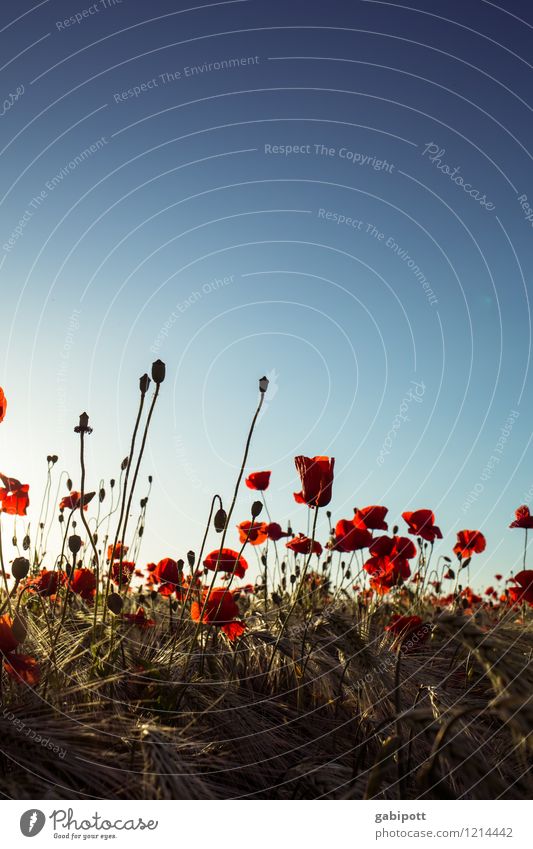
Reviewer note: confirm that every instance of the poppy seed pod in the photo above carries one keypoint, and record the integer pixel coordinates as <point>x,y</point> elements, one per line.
<point>191,558</point>
<point>83,426</point>
<point>74,543</point>
<point>101,495</point>
<point>112,483</point>
<point>69,484</point>
<point>20,568</point>
<point>220,520</point>
<point>114,603</point>
<point>263,384</point>
<point>124,464</point>
<point>256,509</point>
<point>144,384</point>
<point>158,372</point>
<point>26,542</point>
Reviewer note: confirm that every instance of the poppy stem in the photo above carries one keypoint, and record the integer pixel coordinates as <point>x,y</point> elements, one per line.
<point>297,594</point>
<point>123,505</point>
<point>4,576</point>
<point>525,548</point>
<point>135,476</point>
<point>86,524</point>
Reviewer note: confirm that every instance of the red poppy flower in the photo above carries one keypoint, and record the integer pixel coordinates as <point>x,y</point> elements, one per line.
<point>469,543</point>
<point>524,519</point>
<point>403,625</point>
<point>219,608</point>
<point>389,563</point>
<point>83,583</point>
<point>14,497</point>
<point>258,481</point>
<point>471,597</point>
<point>73,500</point>
<point>254,533</point>
<point>489,591</point>
<point>400,548</point>
<point>8,641</point>
<point>524,590</point>
<point>275,533</point>
<point>449,575</point>
<point>226,560</point>
<point>422,524</point>
<point>128,569</point>
<point>303,545</point>
<point>23,669</point>
<point>498,577</point>
<point>139,618</point>
<point>316,474</point>
<point>3,405</point>
<point>116,553</point>
<point>372,517</point>
<point>167,574</point>
<point>47,582</point>
<point>349,537</point>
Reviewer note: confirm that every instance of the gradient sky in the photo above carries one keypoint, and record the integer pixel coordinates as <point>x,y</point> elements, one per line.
<point>184,235</point>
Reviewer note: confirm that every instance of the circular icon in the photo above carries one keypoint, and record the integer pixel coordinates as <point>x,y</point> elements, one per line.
<point>32,822</point>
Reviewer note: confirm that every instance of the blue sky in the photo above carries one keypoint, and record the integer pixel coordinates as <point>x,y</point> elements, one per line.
<point>296,207</point>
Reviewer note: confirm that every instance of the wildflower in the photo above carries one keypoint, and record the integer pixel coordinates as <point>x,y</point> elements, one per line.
<point>167,574</point>
<point>469,543</point>
<point>3,405</point>
<point>524,590</point>
<point>139,618</point>
<point>470,596</point>
<point>421,523</point>
<point>349,537</point>
<point>47,582</point>
<point>275,533</point>
<point>404,626</point>
<point>115,553</point>
<point>226,560</point>
<point>524,519</point>
<point>219,608</point>
<point>389,563</point>
<point>83,583</point>
<point>258,480</point>
<point>449,575</point>
<point>73,501</point>
<point>20,667</point>
<point>14,498</point>
<point>372,517</point>
<point>316,474</point>
<point>128,569</point>
<point>255,534</point>
<point>303,545</point>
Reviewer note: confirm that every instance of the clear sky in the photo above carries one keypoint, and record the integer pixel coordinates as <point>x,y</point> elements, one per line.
<point>334,194</point>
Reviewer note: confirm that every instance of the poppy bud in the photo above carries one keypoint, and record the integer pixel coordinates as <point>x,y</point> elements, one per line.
<point>256,509</point>
<point>26,542</point>
<point>112,483</point>
<point>191,557</point>
<point>284,583</point>
<point>20,568</point>
<point>144,384</point>
<point>74,543</point>
<point>150,478</point>
<point>292,579</point>
<point>143,502</point>
<point>264,559</point>
<point>447,559</point>
<point>180,564</point>
<point>263,384</point>
<point>101,495</point>
<point>158,372</point>
<point>174,605</point>
<point>115,603</point>
<point>153,595</point>
<point>14,541</point>
<point>283,567</point>
<point>61,518</point>
<point>95,538</point>
<point>55,458</point>
<point>466,563</point>
<point>124,464</point>
<point>220,520</point>
<point>276,598</point>
<point>49,458</point>
<point>395,530</point>
<point>69,484</point>
<point>141,530</point>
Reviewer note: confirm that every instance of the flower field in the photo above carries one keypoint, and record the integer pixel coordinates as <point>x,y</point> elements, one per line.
<point>360,666</point>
